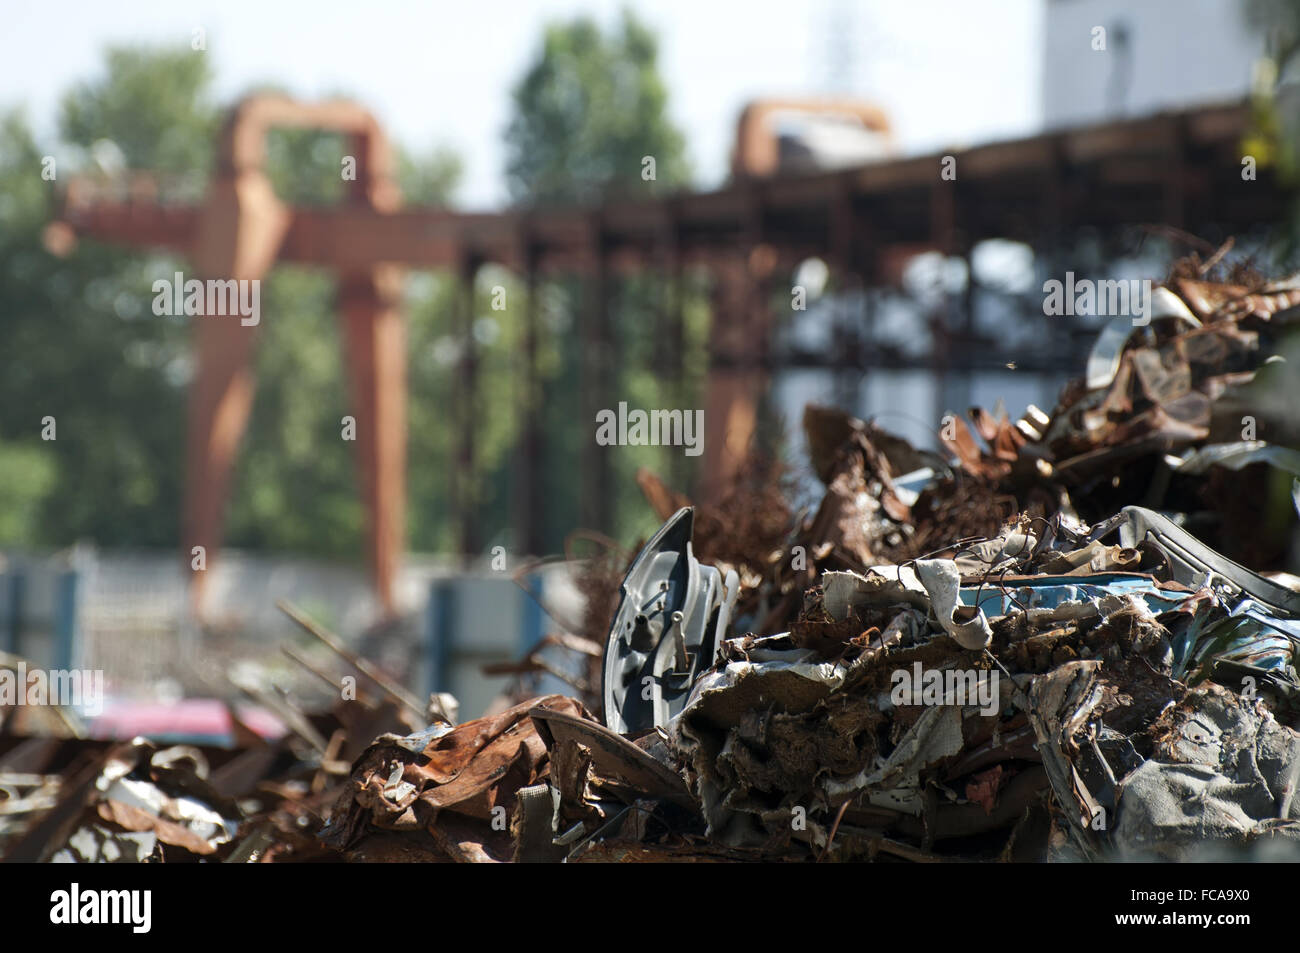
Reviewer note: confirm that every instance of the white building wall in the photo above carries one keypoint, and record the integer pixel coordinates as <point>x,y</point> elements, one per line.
<point>1178,53</point>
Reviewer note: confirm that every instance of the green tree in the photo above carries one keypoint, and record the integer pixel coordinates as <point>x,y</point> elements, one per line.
<point>153,104</point>
<point>588,113</point>
<point>81,345</point>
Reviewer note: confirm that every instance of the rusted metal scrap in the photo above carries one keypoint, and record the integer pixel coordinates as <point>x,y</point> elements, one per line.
<point>1044,694</point>
<point>1041,645</point>
<point>134,803</point>
<point>458,784</point>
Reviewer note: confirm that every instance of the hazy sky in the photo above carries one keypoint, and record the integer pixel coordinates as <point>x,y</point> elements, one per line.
<point>949,72</point>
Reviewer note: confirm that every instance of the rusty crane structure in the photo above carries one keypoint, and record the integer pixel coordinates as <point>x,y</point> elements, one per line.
<point>1180,169</point>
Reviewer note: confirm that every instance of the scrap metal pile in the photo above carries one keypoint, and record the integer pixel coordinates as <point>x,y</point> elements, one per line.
<point>1043,646</point>
<point>944,661</point>
<point>65,797</point>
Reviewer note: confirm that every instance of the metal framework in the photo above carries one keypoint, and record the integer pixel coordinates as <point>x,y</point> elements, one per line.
<point>1180,169</point>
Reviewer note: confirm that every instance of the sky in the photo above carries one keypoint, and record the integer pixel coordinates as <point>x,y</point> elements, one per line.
<point>950,73</point>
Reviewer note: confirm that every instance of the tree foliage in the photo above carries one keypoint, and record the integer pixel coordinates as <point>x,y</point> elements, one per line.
<point>587,112</point>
